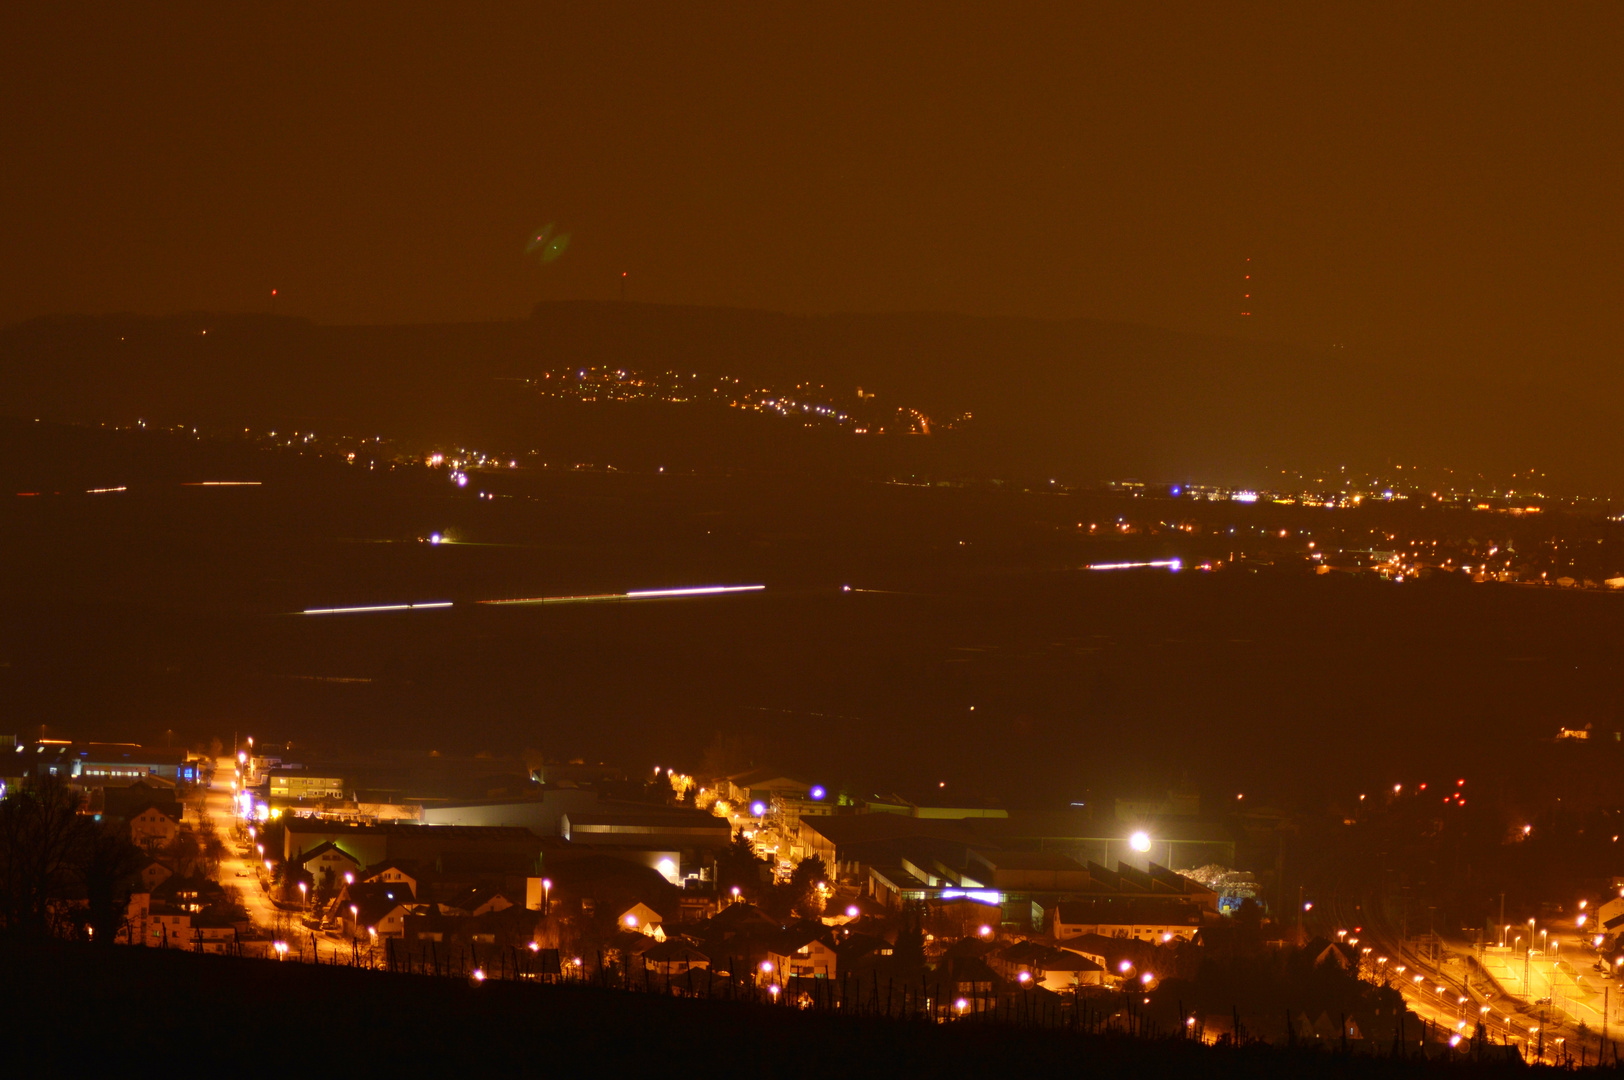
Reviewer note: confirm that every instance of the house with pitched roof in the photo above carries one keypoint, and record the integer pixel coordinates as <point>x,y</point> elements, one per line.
<point>804,951</point>
<point>154,827</point>
<point>372,908</point>
<point>327,863</point>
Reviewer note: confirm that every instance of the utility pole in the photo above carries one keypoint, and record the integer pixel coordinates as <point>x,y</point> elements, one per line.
<point>1606,1001</point>
<point>1299,914</point>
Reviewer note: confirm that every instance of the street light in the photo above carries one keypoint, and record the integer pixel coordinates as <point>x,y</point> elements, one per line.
<point>546,895</point>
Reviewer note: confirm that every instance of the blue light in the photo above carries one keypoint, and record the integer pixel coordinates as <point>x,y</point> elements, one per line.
<point>1177,491</point>
<point>817,792</point>
<point>759,809</point>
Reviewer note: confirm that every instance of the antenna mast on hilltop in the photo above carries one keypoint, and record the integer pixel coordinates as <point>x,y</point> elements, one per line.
<point>1246,291</point>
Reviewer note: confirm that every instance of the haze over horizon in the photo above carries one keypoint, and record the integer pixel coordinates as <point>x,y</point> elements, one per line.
<point>1429,183</point>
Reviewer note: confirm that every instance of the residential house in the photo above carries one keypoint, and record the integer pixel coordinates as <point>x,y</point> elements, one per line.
<point>327,865</point>
<point>1061,969</point>
<point>674,958</point>
<point>393,872</point>
<point>804,951</point>
<point>640,918</point>
<point>154,827</point>
<point>152,874</point>
<point>191,893</point>
<point>367,909</point>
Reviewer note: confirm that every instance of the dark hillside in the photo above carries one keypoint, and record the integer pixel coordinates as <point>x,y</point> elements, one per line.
<point>84,1011</point>
<point>1081,399</point>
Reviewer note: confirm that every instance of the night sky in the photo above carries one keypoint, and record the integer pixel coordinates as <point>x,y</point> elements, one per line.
<point>1436,182</point>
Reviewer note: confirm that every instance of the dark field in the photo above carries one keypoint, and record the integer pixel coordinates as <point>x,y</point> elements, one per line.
<point>170,608</point>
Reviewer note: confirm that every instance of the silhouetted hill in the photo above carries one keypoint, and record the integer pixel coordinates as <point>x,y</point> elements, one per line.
<point>86,1011</point>
<point>1079,399</point>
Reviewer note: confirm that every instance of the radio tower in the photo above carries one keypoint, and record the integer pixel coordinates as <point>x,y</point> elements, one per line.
<point>1246,297</point>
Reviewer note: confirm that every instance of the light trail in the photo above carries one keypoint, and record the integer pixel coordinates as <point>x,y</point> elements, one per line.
<point>104,491</point>
<point>703,590</point>
<point>585,599</point>
<point>1171,564</point>
<point>375,607</point>
<point>638,594</point>
<point>220,483</point>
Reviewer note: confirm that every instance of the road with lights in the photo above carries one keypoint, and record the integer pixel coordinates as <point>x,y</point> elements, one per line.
<point>240,866</point>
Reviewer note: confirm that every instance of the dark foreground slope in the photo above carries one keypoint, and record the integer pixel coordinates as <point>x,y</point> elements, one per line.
<point>76,1011</point>
<point>1078,398</point>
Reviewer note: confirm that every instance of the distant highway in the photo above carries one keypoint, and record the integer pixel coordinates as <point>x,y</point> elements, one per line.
<point>1500,1005</point>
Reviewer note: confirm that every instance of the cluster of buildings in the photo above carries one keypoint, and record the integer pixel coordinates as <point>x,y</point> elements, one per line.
<point>807,403</point>
<point>576,863</point>
<point>1401,535</point>
<point>587,872</point>
<point>138,794</point>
